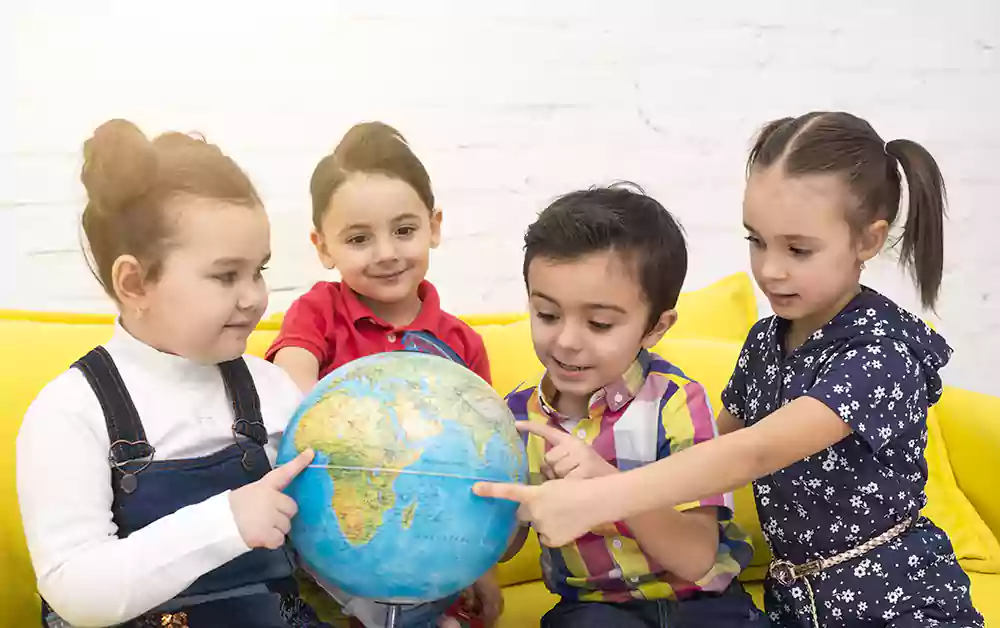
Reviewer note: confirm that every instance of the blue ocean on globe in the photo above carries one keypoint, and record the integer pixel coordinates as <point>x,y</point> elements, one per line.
<point>386,509</point>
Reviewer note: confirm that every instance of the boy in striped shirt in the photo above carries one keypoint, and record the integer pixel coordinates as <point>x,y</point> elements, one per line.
<point>603,269</point>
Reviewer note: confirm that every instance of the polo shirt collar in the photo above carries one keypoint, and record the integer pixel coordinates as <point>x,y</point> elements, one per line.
<point>427,319</point>
<point>616,394</point>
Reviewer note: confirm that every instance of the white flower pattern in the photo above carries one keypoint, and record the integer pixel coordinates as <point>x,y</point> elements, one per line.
<point>874,365</point>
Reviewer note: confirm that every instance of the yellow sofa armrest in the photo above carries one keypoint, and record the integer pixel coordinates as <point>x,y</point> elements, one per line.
<point>970,423</point>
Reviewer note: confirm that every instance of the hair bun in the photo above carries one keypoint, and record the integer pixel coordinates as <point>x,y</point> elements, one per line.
<point>119,165</point>
<point>367,138</point>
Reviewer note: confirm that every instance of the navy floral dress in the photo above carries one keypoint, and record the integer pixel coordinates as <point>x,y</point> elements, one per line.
<point>876,366</point>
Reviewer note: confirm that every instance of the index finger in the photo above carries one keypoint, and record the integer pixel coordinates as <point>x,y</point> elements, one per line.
<point>282,476</point>
<point>552,435</point>
<point>511,492</point>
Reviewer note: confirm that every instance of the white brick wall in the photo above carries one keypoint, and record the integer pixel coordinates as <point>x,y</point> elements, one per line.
<point>508,104</point>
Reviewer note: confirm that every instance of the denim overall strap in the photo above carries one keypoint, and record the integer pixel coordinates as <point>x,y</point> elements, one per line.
<point>125,431</point>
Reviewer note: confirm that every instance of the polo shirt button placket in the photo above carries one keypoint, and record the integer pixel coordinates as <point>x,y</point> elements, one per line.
<point>391,337</point>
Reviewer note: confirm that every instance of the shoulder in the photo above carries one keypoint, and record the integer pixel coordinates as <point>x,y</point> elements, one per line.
<point>668,375</point>
<point>321,294</point>
<point>279,396</point>
<point>461,331</point>
<point>66,406</point>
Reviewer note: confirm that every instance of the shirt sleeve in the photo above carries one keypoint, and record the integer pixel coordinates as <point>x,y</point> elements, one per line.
<point>687,419</point>
<point>878,388</point>
<point>306,325</point>
<point>734,395</point>
<point>85,572</point>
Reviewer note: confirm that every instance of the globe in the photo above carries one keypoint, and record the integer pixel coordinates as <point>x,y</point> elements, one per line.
<point>386,509</point>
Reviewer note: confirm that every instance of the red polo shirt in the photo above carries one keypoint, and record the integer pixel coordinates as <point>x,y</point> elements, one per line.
<point>331,322</point>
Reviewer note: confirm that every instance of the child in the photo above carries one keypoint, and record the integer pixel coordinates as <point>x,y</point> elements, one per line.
<point>144,472</point>
<point>374,220</point>
<point>603,269</point>
<point>828,403</point>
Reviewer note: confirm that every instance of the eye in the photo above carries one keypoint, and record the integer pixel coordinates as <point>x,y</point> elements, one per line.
<point>545,317</point>
<point>226,278</point>
<point>598,326</point>
<point>798,252</point>
<point>406,231</point>
<point>357,240</point>
<point>753,240</point>
<point>260,272</point>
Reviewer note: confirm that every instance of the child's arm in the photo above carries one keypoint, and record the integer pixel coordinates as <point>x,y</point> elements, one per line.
<point>563,510</point>
<point>851,395</point>
<point>301,365</point>
<point>85,572</point>
<point>303,345</point>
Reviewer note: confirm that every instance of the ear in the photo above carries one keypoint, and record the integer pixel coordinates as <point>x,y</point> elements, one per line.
<point>436,217</point>
<point>872,240</point>
<point>663,324</point>
<point>128,279</point>
<point>322,250</point>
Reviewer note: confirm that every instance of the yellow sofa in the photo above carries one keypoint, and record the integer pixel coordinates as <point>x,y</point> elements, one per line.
<point>963,452</point>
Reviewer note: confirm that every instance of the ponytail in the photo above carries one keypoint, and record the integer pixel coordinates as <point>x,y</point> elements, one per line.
<point>922,243</point>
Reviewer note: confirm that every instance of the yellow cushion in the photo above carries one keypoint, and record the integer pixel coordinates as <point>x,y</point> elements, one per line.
<point>974,543</point>
<point>970,423</point>
<point>524,604</point>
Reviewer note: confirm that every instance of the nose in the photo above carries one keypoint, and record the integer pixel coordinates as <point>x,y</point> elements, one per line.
<point>385,250</point>
<point>569,337</point>
<point>252,296</point>
<point>772,268</point>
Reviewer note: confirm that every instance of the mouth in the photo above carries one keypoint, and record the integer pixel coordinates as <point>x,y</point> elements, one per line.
<point>387,276</point>
<point>782,297</point>
<point>238,326</point>
<point>570,368</point>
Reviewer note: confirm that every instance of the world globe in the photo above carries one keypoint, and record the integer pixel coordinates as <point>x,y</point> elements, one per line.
<point>386,509</point>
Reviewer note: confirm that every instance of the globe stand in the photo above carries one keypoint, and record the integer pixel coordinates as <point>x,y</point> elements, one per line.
<point>391,616</point>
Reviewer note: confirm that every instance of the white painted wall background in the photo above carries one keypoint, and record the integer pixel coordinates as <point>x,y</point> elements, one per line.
<point>508,104</point>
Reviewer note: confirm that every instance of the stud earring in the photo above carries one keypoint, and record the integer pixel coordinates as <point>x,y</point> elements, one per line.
<point>862,265</point>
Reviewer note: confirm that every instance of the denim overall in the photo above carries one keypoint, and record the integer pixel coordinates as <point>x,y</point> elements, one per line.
<point>254,590</point>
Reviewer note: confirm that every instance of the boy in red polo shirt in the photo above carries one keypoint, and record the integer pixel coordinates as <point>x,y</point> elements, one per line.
<point>375,221</point>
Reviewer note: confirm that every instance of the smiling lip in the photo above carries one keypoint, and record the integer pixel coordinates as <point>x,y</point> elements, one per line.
<point>569,369</point>
<point>388,275</point>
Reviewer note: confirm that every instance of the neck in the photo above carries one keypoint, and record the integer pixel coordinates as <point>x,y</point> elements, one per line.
<point>398,313</point>
<point>137,329</point>
<point>800,329</point>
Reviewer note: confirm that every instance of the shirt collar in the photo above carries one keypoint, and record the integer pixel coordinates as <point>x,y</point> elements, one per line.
<point>167,366</point>
<point>616,395</point>
<point>427,318</point>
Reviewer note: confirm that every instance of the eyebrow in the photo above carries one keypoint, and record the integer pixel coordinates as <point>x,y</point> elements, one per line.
<point>589,306</point>
<point>794,237</point>
<point>238,261</point>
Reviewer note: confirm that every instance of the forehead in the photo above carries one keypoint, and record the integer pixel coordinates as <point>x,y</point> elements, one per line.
<point>605,277</point>
<point>808,205</point>
<point>212,229</point>
<point>372,199</point>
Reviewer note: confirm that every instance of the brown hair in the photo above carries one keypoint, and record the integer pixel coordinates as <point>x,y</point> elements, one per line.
<point>369,148</point>
<point>841,143</point>
<point>129,180</point>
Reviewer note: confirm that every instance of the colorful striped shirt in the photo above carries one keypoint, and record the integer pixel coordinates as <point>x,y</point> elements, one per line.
<point>652,411</point>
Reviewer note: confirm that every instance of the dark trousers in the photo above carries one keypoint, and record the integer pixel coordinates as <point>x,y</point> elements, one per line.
<point>733,608</point>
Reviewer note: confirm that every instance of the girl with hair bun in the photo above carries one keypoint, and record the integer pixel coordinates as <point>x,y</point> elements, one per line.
<point>144,471</point>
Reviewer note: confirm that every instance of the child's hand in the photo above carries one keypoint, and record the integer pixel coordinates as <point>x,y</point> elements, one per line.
<point>569,457</point>
<point>263,513</point>
<point>485,599</point>
<point>560,511</point>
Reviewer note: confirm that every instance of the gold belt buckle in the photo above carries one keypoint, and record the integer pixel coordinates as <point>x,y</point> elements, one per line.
<point>786,573</point>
